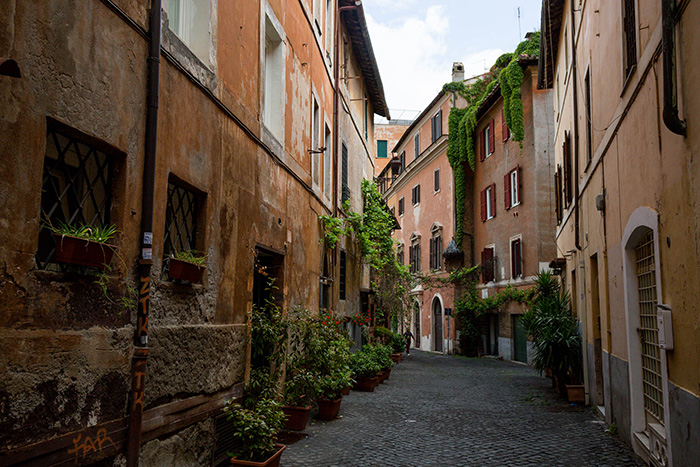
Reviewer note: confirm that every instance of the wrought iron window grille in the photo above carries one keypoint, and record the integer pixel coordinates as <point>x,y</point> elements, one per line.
<point>180,223</point>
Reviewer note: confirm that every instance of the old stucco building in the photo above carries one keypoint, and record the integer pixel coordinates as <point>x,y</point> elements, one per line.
<point>248,121</point>
<point>626,135</point>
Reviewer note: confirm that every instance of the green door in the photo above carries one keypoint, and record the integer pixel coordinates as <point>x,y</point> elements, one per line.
<point>519,340</point>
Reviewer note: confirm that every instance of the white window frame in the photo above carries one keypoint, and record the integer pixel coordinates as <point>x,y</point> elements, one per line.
<point>510,253</point>
<point>514,188</point>
<point>329,30</point>
<point>487,141</point>
<point>489,197</point>
<point>272,104</point>
<point>194,24</point>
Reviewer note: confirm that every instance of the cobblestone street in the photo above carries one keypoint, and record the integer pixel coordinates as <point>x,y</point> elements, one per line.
<point>450,411</point>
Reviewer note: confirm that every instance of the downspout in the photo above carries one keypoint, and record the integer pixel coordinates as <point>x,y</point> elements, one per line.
<point>670,113</point>
<point>138,372</point>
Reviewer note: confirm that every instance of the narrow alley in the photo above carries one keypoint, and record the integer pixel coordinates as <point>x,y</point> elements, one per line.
<point>451,411</point>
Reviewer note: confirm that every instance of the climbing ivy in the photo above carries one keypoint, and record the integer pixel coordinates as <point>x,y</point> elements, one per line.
<point>507,73</point>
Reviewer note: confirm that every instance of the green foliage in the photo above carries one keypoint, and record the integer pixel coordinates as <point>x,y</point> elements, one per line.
<point>332,229</point>
<point>254,428</point>
<point>191,256</point>
<point>91,233</point>
<point>128,300</point>
<point>363,364</point>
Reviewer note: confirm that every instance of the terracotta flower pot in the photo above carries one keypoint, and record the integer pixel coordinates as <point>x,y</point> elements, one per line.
<point>366,384</point>
<point>346,391</point>
<point>396,357</point>
<point>185,271</point>
<point>272,461</point>
<point>81,252</point>
<point>328,410</point>
<point>576,393</point>
<point>297,417</point>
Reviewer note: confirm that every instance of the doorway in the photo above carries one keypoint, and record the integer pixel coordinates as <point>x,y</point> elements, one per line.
<point>598,394</point>
<point>519,340</point>
<point>437,324</point>
<point>416,324</point>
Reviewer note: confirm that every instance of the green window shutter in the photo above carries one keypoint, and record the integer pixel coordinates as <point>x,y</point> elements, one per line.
<point>382,148</point>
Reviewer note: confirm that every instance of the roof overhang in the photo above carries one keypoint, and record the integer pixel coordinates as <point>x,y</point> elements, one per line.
<point>552,17</point>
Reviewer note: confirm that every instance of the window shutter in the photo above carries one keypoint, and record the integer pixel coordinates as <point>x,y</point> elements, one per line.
<point>520,258</point>
<point>437,179</point>
<point>492,137</point>
<point>506,195</point>
<point>438,125</point>
<point>438,253</point>
<point>432,251</point>
<point>557,193</point>
<point>418,194</point>
<point>520,183</point>
<point>482,145</point>
<point>504,126</point>
<point>483,205</point>
<point>493,200</point>
<point>417,257</point>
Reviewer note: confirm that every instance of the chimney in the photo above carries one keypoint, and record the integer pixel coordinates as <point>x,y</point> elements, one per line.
<point>457,72</point>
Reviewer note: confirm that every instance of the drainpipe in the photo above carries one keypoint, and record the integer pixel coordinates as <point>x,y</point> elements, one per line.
<point>138,368</point>
<point>574,80</point>
<point>670,114</point>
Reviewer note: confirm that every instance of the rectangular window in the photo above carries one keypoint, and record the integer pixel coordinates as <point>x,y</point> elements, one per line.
<point>488,203</point>
<point>516,258</point>
<point>436,177</point>
<point>414,252</point>
<point>399,255</point>
<point>189,20</point>
<point>345,195</point>
<point>342,275</point>
<point>415,195</point>
<point>436,252</point>
<point>568,175</point>
<point>180,220</point>
<point>511,182</point>
<point>557,194</point>
<point>436,126</point>
<point>630,36</point>
<point>589,116</point>
<point>416,146</point>
<point>382,150</point>
<point>488,265</point>
<point>327,168</point>
<point>401,206</point>
<point>329,30</point>
<point>76,186</point>
<point>315,140</point>
<point>273,106</point>
<point>402,161</point>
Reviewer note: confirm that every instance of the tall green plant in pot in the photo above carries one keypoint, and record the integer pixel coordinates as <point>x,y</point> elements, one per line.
<point>254,428</point>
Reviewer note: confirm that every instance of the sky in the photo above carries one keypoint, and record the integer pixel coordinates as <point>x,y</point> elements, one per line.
<point>416,41</point>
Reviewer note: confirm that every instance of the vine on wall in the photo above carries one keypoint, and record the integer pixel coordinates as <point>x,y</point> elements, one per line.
<point>507,73</point>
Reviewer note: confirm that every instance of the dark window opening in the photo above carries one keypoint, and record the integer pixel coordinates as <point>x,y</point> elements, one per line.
<point>436,126</point>
<point>76,187</point>
<point>414,255</point>
<point>401,206</point>
<point>436,252</point>
<point>268,278</point>
<point>630,32</point>
<point>436,176</point>
<point>516,258</point>
<point>345,195</point>
<point>488,265</point>
<point>589,116</point>
<point>415,195</point>
<point>342,275</point>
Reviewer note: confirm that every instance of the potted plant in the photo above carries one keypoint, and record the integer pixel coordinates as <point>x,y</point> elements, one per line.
<point>299,393</point>
<point>187,265</point>
<point>364,369</point>
<point>330,388</point>
<point>398,345</point>
<point>254,428</point>
<point>84,245</point>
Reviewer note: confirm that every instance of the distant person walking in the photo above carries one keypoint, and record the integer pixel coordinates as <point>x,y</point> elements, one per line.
<point>408,335</point>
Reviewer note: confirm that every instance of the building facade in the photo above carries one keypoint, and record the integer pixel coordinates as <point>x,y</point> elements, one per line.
<point>512,216</point>
<point>418,187</point>
<point>387,135</point>
<point>626,107</point>
<point>248,121</point>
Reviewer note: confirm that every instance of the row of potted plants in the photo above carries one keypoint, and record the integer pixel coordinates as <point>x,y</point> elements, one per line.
<point>92,246</point>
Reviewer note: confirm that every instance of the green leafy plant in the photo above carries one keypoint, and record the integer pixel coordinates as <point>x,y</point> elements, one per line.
<point>612,429</point>
<point>190,256</point>
<point>254,428</point>
<point>93,233</point>
<point>364,365</point>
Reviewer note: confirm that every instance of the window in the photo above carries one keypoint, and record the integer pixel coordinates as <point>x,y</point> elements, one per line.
<point>329,30</point>
<point>189,20</point>
<point>273,104</point>
<point>415,195</point>
<point>416,146</point>
<point>342,275</point>
<point>487,142</point>
<point>488,203</point>
<point>568,176</point>
<point>180,219</point>
<point>436,179</point>
<point>401,206</point>
<point>436,250</point>
<point>488,264</point>
<point>317,15</point>
<point>589,116</point>
<point>557,194</point>
<point>511,183</point>
<point>345,195</point>
<point>516,258</point>
<point>76,186</point>
<point>436,126</point>
<point>382,148</point>
<point>630,36</point>
<point>315,140</point>
<point>505,131</point>
<point>402,161</point>
<point>399,255</point>
<point>365,122</point>
<point>327,168</point>
<point>414,255</point>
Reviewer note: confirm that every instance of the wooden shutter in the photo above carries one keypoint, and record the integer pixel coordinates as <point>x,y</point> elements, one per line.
<point>483,205</point>
<point>487,265</point>
<point>557,193</point>
<point>506,194</point>
<point>432,252</point>
<point>417,249</point>
<point>345,194</point>
<point>418,194</point>
<point>482,145</point>
<point>437,179</point>
<point>492,137</point>
<point>493,200</point>
<point>438,124</point>
<point>438,252</point>
<point>504,126</point>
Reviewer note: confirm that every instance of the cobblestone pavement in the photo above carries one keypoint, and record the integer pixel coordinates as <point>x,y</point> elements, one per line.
<point>451,411</point>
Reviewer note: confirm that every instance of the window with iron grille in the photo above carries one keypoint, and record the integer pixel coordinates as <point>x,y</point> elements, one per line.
<point>630,39</point>
<point>76,186</point>
<point>180,220</point>
<point>342,275</point>
<point>345,194</point>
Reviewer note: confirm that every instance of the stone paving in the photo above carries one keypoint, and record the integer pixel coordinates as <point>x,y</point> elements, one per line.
<point>451,411</point>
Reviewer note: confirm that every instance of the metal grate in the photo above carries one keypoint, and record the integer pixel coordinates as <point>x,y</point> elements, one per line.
<point>180,220</point>
<point>75,190</point>
<point>651,355</point>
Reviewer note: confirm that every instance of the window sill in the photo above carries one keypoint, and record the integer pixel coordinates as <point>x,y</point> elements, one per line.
<point>436,192</point>
<point>515,205</point>
<point>180,53</point>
